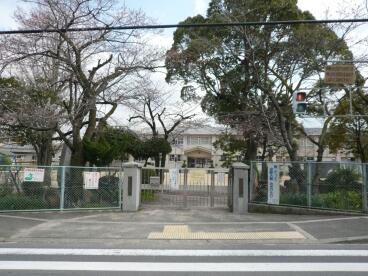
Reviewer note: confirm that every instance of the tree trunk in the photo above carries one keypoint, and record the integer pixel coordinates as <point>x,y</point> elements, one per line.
<point>157,161</point>
<point>251,154</point>
<point>163,160</point>
<point>45,152</point>
<point>74,190</point>
<point>317,168</point>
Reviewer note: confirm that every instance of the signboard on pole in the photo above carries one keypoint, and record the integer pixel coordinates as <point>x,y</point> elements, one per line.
<point>174,181</point>
<point>33,175</point>
<point>340,74</point>
<point>90,180</point>
<point>273,184</point>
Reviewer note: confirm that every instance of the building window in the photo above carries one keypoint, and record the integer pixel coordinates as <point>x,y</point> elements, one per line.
<point>205,140</point>
<point>199,140</point>
<point>178,141</point>
<point>193,140</point>
<point>175,157</point>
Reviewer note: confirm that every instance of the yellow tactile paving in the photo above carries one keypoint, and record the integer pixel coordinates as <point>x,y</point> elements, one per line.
<point>182,232</point>
<point>176,229</point>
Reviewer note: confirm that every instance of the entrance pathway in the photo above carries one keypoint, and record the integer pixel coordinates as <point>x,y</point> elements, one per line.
<point>206,227</point>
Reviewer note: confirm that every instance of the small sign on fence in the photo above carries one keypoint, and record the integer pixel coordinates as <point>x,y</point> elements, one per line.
<point>154,180</point>
<point>90,180</point>
<point>33,175</point>
<point>273,184</point>
<point>221,178</point>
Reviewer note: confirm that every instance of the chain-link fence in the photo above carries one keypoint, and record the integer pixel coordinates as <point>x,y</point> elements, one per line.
<point>59,188</point>
<point>326,185</point>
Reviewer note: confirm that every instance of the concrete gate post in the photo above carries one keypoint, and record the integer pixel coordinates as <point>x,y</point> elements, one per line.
<point>131,187</point>
<point>240,187</point>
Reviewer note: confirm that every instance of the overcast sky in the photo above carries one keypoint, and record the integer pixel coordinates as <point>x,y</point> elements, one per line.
<point>174,11</point>
<point>169,11</point>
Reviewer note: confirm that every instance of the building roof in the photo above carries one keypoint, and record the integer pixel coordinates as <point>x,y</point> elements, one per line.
<point>15,148</point>
<point>205,130</point>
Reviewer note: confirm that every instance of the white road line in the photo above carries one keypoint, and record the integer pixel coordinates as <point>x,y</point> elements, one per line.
<point>181,267</point>
<point>301,231</point>
<point>184,253</point>
<point>21,217</point>
<point>327,220</point>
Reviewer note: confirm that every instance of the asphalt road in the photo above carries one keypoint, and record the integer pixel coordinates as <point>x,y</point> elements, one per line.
<point>80,243</point>
<point>339,260</point>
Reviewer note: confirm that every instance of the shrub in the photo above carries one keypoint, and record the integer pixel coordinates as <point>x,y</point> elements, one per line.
<point>298,199</point>
<point>341,200</point>
<point>341,179</point>
<point>33,189</point>
<point>147,195</point>
<point>21,202</point>
<point>108,188</point>
<point>261,192</point>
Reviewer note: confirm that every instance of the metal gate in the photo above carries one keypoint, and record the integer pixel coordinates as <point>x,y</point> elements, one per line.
<point>186,188</point>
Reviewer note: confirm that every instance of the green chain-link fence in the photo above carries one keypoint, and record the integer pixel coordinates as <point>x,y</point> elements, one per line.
<point>59,188</point>
<point>326,185</point>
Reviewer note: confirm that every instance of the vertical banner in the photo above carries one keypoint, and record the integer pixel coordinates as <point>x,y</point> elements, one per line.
<point>273,184</point>
<point>174,181</point>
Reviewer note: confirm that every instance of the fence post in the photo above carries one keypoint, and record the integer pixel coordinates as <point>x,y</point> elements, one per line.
<point>120,187</point>
<point>212,189</point>
<point>309,184</point>
<point>62,188</point>
<point>364,188</point>
<point>185,199</point>
<point>252,170</point>
<point>131,187</point>
<point>240,188</point>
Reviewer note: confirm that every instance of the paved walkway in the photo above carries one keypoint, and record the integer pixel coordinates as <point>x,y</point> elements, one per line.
<point>164,228</point>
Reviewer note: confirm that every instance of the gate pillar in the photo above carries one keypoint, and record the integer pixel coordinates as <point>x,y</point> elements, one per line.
<point>240,182</point>
<point>131,187</point>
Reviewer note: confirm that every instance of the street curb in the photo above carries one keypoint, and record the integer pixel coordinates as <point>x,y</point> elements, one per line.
<point>294,210</point>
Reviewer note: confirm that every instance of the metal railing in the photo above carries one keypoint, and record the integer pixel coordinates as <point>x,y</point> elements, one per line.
<point>324,185</point>
<point>59,188</point>
<point>185,188</point>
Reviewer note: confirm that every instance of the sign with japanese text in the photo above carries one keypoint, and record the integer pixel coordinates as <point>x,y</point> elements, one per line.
<point>273,184</point>
<point>340,74</point>
<point>174,181</point>
<point>33,175</point>
<point>90,180</point>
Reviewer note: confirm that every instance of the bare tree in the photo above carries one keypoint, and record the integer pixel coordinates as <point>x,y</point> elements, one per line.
<point>158,110</point>
<point>91,68</point>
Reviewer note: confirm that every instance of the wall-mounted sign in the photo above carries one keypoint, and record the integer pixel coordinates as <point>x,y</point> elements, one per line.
<point>33,175</point>
<point>90,180</point>
<point>273,183</point>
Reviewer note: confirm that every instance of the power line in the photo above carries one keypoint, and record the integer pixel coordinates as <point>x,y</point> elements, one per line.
<point>195,25</point>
